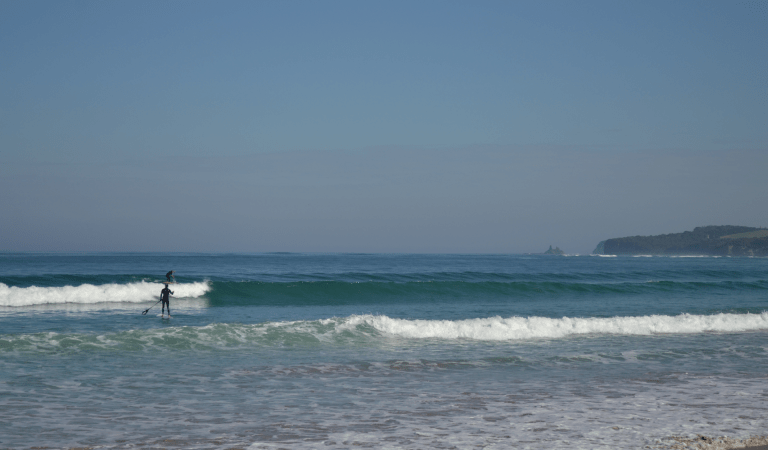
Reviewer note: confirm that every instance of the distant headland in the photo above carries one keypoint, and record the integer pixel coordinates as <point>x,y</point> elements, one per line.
<point>726,240</point>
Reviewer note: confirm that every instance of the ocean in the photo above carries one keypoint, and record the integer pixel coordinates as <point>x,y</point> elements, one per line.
<point>331,351</point>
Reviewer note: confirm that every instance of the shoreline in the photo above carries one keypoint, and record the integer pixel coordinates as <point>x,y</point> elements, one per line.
<point>701,442</point>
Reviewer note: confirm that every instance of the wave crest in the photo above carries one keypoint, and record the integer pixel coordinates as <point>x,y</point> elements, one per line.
<point>522,328</point>
<point>88,293</point>
<point>370,329</point>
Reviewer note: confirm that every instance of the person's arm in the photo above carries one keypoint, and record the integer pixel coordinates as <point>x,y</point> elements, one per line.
<point>171,292</point>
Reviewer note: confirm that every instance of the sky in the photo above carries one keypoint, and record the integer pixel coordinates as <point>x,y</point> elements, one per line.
<point>405,127</point>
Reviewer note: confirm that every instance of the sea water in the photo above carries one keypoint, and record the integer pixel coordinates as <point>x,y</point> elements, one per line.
<point>380,351</point>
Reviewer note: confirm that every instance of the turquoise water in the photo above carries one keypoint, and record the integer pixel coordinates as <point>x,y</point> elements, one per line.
<point>380,351</point>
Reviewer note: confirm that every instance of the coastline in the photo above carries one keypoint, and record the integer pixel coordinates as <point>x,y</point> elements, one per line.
<point>720,240</point>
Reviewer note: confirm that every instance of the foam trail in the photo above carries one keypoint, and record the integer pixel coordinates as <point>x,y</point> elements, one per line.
<point>89,294</point>
<point>521,328</point>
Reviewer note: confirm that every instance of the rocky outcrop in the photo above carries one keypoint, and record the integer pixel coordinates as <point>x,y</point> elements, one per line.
<point>554,251</point>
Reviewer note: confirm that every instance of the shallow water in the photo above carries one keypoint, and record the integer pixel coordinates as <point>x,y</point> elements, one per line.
<point>384,351</point>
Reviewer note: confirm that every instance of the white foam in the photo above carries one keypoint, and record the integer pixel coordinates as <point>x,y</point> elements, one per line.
<point>611,414</point>
<point>520,328</point>
<point>89,294</point>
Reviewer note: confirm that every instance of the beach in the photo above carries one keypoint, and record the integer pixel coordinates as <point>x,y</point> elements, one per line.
<point>720,443</point>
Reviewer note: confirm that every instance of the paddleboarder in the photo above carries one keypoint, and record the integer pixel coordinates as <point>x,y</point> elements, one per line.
<point>164,297</point>
<point>169,275</point>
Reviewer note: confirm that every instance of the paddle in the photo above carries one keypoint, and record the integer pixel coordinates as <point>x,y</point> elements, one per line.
<point>146,310</point>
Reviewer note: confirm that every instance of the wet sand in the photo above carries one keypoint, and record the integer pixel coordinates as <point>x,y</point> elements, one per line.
<point>716,443</point>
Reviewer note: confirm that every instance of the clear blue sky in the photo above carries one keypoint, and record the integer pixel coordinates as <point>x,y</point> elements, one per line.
<point>427,126</point>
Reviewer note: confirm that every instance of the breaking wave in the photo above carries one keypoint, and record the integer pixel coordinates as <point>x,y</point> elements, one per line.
<point>376,329</point>
<point>522,328</point>
<point>89,294</point>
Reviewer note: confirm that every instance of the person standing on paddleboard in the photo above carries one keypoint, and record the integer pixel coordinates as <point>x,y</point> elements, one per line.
<point>164,297</point>
<point>169,275</point>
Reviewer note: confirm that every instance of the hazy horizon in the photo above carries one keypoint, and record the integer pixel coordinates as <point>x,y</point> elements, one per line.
<point>397,127</point>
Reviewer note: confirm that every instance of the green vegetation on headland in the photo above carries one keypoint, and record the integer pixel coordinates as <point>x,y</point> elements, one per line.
<point>726,240</point>
<point>554,251</point>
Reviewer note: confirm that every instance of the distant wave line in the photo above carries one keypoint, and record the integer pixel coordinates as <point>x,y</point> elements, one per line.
<point>262,293</point>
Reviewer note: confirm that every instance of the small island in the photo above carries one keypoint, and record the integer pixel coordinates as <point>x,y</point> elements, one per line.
<point>554,251</point>
<point>725,240</point>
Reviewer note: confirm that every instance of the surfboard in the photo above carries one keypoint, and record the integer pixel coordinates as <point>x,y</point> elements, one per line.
<point>167,282</point>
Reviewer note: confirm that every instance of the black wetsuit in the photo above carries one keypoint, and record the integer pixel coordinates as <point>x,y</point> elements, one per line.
<point>164,298</point>
<point>169,275</point>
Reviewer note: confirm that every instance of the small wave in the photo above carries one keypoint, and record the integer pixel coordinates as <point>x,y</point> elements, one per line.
<point>88,293</point>
<point>317,293</point>
<point>523,328</point>
<point>373,329</point>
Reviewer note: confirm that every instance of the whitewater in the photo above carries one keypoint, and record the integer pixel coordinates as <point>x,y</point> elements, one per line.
<point>369,328</point>
<point>382,351</point>
<point>89,294</point>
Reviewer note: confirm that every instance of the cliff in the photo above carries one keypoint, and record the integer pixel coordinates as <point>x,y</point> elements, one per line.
<point>727,240</point>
